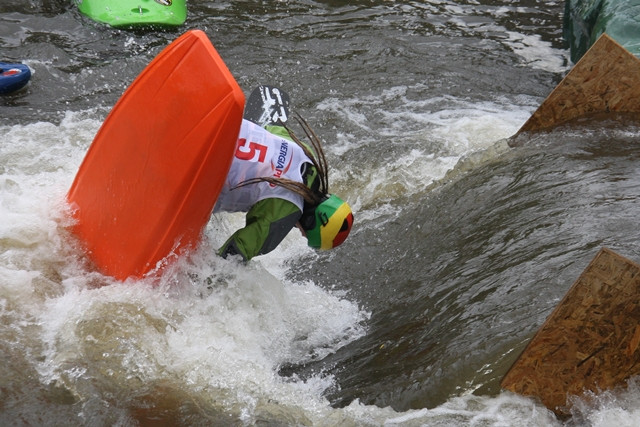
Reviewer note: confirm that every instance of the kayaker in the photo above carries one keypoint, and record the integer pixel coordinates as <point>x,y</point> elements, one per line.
<point>281,183</point>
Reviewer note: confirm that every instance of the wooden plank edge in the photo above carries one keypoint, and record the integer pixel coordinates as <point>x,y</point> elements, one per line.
<point>608,271</point>
<point>605,80</point>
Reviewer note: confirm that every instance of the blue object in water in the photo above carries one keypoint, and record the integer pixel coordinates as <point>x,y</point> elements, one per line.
<point>13,77</point>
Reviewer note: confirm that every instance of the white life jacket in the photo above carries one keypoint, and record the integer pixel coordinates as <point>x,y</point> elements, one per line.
<point>260,153</point>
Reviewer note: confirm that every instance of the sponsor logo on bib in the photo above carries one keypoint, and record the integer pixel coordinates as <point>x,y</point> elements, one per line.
<point>281,165</point>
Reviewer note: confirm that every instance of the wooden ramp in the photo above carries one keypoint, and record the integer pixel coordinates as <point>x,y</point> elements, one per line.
<point>605,80</point>
<point>590,341</point>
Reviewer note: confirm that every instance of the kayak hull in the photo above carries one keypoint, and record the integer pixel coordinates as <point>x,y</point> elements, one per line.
<point>135,13</point>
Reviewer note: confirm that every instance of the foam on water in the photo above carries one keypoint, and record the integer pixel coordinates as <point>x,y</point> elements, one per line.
<point>537,53</point>
<point>418,141</point>
<point>228,338</point>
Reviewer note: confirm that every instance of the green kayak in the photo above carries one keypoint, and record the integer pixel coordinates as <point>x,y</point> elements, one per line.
<point>586,20</point>
<point>135,13</point>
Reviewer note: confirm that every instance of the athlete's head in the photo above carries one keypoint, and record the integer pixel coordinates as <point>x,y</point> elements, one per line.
<point>328,224</point>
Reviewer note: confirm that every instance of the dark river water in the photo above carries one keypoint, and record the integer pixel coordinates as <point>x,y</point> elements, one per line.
<point>462,246</point>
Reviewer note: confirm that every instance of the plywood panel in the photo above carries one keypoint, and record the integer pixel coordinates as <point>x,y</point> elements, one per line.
<point>589,342</point>
<point>605,80</point>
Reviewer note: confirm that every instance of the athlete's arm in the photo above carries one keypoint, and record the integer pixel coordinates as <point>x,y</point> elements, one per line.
<point>267,224</point>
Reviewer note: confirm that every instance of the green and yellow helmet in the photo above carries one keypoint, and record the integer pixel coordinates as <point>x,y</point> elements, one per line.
<point>329,224</point>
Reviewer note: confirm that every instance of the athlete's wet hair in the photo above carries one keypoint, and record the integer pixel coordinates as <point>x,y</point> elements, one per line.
<point>316,154</point>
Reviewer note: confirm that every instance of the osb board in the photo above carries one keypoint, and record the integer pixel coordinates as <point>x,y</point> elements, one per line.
<point>590,340</point>
<point>606,79</point>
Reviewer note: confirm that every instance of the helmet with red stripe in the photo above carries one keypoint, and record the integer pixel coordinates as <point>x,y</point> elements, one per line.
<point>329,224</point>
